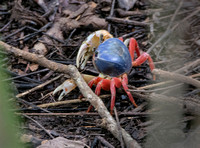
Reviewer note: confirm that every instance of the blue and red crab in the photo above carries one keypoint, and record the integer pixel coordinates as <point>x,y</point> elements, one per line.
<point>112,59</point>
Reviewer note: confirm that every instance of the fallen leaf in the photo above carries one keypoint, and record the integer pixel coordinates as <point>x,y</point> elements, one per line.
<point>22,61</point>
<point>126,4</point>
<point>33,67</point>
<point>25,48</point>
<point>40,49</point>
<point>61,142</point>
<point>18,71</point>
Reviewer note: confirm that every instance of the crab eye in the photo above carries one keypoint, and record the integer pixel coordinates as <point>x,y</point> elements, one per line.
<point>96,53</point>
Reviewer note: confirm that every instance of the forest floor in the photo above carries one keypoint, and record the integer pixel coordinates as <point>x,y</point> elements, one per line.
<point>168,107</point>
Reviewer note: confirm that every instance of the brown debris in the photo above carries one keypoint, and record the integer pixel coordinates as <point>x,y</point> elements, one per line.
<point>82,16</point>
<point>61,142</point>
<point>56,29</point>
<point>24,16</point>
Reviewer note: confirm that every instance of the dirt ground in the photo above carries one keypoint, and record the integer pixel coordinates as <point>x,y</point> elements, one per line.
<point>167,114</point>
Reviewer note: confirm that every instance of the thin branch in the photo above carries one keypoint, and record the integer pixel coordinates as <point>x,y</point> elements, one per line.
<point>169,31</point>
<point>39,125</point>
<point>111,13</point>
<point>127,22</point>
<point>163,83</point>
<point>119,128</point>
<point>174,15</point>
<point>181,70</point>
<point>84,114</point>
<point>105,142</point>
<point>192,105</point>
<point>53,104</point>
<point>176,77</point>
<point>37,87</point>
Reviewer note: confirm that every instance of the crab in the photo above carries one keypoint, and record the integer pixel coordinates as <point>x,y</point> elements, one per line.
<point>112,59</point>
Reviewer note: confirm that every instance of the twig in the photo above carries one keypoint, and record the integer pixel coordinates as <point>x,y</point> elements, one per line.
<point>11,34</point>
<point>25,75</point>
<point>38,87</point>
<point>163,83</point>
<point>119,128</point>
<point>168,16</point>
<point>32,105</point>
<point>124,13</point>
<point>185,68</point>
<point>84,114</point>
<point>105,142</point>
<point>177,77</point>
<point>154,90</point>
<point>39,125</point>
<point>141,31</point>
<point>111,13</point>
<point>53,104</point>
<point>71,70</point>
<point>127,22</point>
<point>188,66</point>
<point>174,15</point>
<point>169,31</point>
<point>193,105</point>
<point>6,25</point>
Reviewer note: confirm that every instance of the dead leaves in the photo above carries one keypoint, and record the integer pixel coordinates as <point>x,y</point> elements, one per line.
<point>83,17</point>
<point>76,15</point>
<point>24,16</point>
<point>61,142</point>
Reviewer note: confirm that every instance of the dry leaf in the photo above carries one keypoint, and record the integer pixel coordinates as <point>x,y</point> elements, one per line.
<point>22,61</point>
<point>40,49</point>
<point>61,142</point>
<point>33,67</point>
<point>126,4</point>
<point>18,71</point>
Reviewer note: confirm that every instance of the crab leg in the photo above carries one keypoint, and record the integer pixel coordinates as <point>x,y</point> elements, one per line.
<point>101,84</point>
<point>140,60</point>
<point>133,46</point>
<point>124,84</point>
<point>115,82</point>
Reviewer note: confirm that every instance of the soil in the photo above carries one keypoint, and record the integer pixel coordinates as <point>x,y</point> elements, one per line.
<point>56,31</point>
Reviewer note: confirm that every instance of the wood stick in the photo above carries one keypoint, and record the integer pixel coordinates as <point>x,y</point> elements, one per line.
<point>124,13</point>
<point>163,83</point>
<point>105,142</point>
<point>42,127</point>
<point>83,114</point>
<point>37,87</point>
<point>127,22</point>
<point>53,104</point>
<point>192,105</point>
<point>176,77</point>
